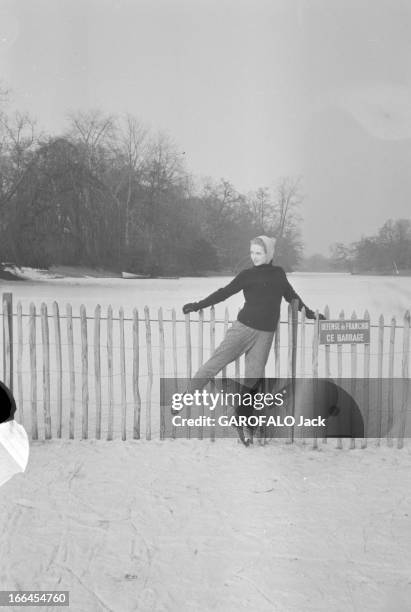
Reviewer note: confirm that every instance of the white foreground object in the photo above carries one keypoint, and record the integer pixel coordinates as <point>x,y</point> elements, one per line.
<point>14,450</point>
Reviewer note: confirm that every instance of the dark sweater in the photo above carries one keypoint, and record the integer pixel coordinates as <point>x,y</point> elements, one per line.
<point>263,286</point>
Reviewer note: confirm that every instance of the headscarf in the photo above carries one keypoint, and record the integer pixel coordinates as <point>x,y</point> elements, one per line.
<point>269,246</point>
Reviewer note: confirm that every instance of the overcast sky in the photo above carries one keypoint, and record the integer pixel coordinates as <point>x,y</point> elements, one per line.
<point>251,89</point>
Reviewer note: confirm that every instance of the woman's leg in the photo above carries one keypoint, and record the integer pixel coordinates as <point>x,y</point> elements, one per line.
<point>255,360</point>
<point>238,339</point>
<point>256,357</point>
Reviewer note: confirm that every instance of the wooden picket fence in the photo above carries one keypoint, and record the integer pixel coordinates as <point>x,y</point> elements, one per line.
<point>123,408</point>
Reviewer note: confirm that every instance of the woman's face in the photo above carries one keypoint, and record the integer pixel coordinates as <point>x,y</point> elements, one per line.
<point>257,254</point>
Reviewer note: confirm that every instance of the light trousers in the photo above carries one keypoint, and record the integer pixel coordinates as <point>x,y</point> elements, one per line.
<point>238,340</point>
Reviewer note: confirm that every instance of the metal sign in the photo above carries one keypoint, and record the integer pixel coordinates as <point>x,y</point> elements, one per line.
<point>345,331</point>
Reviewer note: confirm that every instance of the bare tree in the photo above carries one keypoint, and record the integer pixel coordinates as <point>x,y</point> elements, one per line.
<point>132,153</point>
<point>96,132</point>
<point>261,206</point>
<point>287,199</point>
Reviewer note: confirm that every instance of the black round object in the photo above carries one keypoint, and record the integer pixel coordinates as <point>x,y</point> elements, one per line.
<point>7,404</point>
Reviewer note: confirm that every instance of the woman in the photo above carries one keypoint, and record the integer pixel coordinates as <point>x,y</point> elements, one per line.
<point>264,285</point>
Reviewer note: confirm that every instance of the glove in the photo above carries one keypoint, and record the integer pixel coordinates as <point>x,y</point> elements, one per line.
<point>191,307</point>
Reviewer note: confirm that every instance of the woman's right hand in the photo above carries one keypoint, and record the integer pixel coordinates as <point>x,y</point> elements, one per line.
<point>191,307</point>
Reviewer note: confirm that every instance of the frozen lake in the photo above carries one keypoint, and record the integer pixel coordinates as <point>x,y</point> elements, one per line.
<point>390,296</point>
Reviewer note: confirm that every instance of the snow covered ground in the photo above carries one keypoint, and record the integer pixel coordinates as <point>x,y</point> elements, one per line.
<point>198,526</point>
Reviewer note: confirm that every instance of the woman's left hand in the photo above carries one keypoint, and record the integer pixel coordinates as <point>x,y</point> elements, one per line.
<point>191,307</point>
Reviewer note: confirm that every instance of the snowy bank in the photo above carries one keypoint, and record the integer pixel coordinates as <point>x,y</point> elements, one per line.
<point>189,526</point>
<point>54,272</point>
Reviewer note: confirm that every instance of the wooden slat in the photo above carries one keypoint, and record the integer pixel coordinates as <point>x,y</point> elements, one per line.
<point>294,343</point>
<point>380,358</point>
<point>97,368</point>
<point>136,368</point>
<point>20,413</point>
<point>237,365</point>
<point>339,373</point>
<point>58,352</point>
<point>7,344</point>
<point>72,376</point>
<point>290,341</point>
<point>162,373</point>
<point>188,346</point>
<point>110,419</point>
<point>315,348</point>
<point>188,362</point>
<point>327,366</point>
<point>327,348</point>
<point>366,388</point>
<point>8,340</point>
<point>84,372</point>
<point>46,371</point>
<point>225,329</point>
<point>174,341</point>
<point>390,401</point>
<point>200,340</point>
<point>277,350</point>
<point>123,376</point>
<point>149,372</point>
<point>353,373</point>
<point>212,329</point>
<point>33,372</point>
<point>302,344</point>
<point>226,387</point>
<point>175,362</point>
<point>212,349</point>
<point>405,377</point>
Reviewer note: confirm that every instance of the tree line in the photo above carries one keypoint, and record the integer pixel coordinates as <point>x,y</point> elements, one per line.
<point>386,252</point>
<point>110,192</point>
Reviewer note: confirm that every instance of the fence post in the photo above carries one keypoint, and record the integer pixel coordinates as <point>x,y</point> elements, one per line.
<point>136,370</point>
<point>123,375</point>
<point>366,387</point>
<point>302,346</point>
<point>292,354</point>
<point>353,373</point>
<point>84,372</point>
<point>200,358</point>
<point>110,418</point>
<point>327,351</point>
<point>175,362</point>
<point>46,370</point>
<point>212,349</point>
<point>149,372</point>
<point>33,372</point>
<point>97,369</point>
<point>20,362</point>
<point>405,378</point>
<point>162,372</point>
<point>380,370</point>
<point>188,359</point>
<point>339,373</point>
<point>390,381</point>
<point>70,348</point>
<point>8,340</point>
<point>315,365</point>
<point>327,362</point>
<point>57,335</point>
